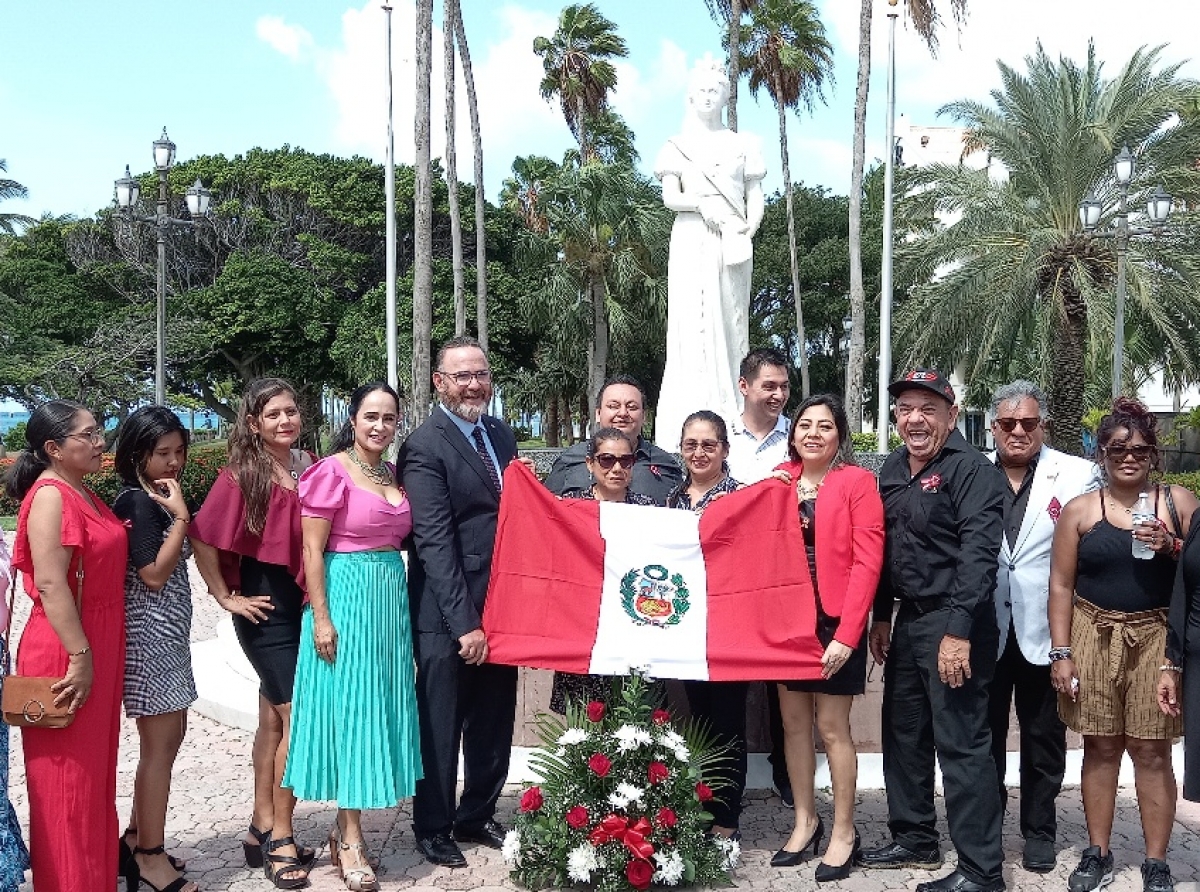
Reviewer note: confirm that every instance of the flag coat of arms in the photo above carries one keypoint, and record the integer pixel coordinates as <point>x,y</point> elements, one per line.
<point>597,587</point>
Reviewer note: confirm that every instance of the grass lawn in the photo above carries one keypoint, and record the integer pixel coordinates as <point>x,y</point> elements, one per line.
<point>8,524</point>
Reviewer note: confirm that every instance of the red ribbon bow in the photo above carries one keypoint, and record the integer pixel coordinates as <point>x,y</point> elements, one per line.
<point>633,835</point>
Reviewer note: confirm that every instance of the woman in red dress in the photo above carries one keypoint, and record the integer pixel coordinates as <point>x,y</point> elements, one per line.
<point>72,550</point>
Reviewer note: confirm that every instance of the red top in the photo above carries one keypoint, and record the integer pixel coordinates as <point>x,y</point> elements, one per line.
<point>91,529</point>
<point>221,523</point>
<point>849,545</point>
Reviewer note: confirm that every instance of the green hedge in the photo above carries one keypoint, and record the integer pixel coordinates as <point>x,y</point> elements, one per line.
<point>870,442</point>
<point>204,463</point>
<point>1188,480</point>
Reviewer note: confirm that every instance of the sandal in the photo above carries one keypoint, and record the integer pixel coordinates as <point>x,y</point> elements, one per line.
<point>275,865</point>
<point>254,851</point>
<point>357,878</point>
<point>176,885</point>
<point>126,853</point>
<point>334,832</point>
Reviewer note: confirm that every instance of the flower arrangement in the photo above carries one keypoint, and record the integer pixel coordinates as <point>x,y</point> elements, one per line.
<point>622,802</point>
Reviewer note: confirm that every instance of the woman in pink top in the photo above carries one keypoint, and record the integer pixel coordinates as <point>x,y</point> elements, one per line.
<point>354,717</point>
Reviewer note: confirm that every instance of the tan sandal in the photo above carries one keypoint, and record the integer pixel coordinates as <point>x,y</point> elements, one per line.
<point>357,878</point>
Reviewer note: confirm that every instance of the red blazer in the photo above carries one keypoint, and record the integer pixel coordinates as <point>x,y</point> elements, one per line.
<point>849,544</point>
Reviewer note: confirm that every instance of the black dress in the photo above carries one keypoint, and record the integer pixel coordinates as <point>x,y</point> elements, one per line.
<point>851,679</point>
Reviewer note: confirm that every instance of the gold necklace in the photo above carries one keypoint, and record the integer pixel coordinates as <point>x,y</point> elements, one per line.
<point>806,492</point>
<point>380,476</point>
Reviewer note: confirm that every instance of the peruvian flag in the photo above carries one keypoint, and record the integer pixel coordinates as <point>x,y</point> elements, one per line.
<point>597,587</point>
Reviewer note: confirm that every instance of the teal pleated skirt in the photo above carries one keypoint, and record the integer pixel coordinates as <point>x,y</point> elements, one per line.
<point>354,737</point>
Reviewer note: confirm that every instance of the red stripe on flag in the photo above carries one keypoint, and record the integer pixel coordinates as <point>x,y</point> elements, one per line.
<point>762,615</point>
<point>543,601</point>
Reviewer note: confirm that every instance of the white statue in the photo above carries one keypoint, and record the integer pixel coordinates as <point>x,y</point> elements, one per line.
<point>712,178</point>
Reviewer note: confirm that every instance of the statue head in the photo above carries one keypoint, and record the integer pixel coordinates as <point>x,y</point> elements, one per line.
<point>708,85</point>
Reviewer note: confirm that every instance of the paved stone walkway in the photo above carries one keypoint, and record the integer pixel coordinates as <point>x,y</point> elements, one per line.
<point>211,801</point>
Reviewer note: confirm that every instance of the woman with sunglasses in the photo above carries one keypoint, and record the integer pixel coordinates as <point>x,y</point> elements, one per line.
<point>1108,632</point>
<point>704,445</point>
<point>72,550</point>
<point>610,457</point>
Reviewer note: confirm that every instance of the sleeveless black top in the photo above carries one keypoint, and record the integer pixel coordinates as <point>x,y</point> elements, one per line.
<point>1109,576</point>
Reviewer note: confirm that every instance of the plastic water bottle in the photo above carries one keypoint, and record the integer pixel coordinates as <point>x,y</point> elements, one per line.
<point>1143,513</point>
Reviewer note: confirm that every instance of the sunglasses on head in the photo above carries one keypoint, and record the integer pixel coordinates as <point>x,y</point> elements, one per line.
<point>606,460</point>
<point>1008,425</point>
<point>1118,453</point>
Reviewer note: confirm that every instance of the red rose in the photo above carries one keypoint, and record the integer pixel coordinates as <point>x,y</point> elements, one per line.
<point>577,818</point>
<point>599,837</point>
<point>531,799</point>
<point>660,717</point>
<point>666,818</point>
<point>601,765</point>
<point>639,873</point>
<point>703,792</point>
<point>595,711</point>
<point>656,772</point>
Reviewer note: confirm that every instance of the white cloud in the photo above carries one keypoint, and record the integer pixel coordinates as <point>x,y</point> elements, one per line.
<point>292,41</point>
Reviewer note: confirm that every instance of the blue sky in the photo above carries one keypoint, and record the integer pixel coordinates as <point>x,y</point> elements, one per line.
<point>85,87</point>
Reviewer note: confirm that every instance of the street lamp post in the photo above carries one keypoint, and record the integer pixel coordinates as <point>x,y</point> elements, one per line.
<point>1158,208</point>
<point>127,191</point>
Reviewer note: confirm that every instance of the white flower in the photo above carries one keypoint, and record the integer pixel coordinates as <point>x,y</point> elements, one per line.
<point>630,737</point>
<point>511,850</point>
<point>732,850</point>
<point>670,868</point>
<point>625,794</point>
<point>581,861</point>
<point>572,735</point>
<point>676,744</point>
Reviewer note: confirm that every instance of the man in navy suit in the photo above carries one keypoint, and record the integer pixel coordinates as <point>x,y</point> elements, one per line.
<point>451,469</point>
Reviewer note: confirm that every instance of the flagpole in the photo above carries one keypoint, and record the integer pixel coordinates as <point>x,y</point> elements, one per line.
<point>389,186</point>
<point>885,296</point>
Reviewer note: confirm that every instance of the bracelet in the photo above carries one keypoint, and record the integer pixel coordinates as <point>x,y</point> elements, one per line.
<point>1059,653</point>
<point>180,518</point>
<point>1176,546</point>
<point>1170,667</point>
<point>80,653</point>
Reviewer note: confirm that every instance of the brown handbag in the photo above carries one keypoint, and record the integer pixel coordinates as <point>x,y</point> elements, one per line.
<point>27,701</point>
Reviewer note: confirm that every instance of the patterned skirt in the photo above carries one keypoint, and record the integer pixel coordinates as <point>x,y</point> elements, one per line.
<point>354,737</point>
<point>158,656</point>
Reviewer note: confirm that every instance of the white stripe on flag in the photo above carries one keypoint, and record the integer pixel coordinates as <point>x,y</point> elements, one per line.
<point>645,620</point>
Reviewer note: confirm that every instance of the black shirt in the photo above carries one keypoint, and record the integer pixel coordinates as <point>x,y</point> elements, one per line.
<point>1015,503</point>
<point>943,532</point>
<point>655,471</point>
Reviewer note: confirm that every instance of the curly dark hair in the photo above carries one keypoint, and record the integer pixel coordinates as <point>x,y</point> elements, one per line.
<point>1128,414</point>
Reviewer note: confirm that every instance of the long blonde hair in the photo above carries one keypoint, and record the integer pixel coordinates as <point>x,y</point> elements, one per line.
<point>249,460</point>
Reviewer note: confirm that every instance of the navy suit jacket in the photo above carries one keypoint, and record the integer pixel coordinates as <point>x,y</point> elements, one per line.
<point>454,511</point>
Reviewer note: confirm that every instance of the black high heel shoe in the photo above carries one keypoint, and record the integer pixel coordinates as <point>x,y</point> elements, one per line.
<point>254,851</point>
<point>784,858</point>
<point>827,873</point>
<point>127,866</point>
<point>176,885</point>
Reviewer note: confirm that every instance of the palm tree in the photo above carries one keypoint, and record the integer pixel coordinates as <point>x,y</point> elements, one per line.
<point>785,49</point>
<point>481,288</point>
<point>925,19</point>
<point>422,218</point>
<point>730,14</point>
<point>12,189</point>
<point>577,70</point>
<point>600,260</point>
<point>1014,285</point>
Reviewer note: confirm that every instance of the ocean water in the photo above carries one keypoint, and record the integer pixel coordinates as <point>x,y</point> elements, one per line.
<point>10,417</point>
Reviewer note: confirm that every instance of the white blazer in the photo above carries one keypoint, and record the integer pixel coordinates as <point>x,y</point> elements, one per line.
<point>1023,583</point>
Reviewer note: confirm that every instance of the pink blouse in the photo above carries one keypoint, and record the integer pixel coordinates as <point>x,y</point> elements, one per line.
<point>359,519</point>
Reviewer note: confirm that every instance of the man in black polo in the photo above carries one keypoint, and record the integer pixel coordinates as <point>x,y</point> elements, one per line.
<point>621,404</point>
<point>944,507</point>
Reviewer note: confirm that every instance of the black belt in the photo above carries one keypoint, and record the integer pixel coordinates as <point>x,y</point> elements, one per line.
<point>922,606</point>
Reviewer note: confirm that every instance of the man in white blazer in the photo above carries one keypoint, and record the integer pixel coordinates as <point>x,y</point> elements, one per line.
<point>1041,482</point>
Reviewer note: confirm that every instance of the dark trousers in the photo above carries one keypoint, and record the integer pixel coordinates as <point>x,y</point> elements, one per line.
<point>1043,737</point>
<point>921,714</point>
<point>722,706</point>
<point>472,705</point>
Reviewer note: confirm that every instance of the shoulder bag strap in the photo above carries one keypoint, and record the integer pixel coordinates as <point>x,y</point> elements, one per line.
<point>1171,510</point>
<point>6,668</point>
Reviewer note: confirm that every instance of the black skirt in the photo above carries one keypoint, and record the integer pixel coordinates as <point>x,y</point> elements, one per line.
<point>851,679</point>
<point>272,645</point>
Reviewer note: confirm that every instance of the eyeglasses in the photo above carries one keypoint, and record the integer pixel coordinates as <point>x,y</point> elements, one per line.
<point>462,379</point>
<point>1008,425</point>
<point>1118,453</point>
<point>708,447</point>
<point>94,435</point>
<point>606,460</point>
